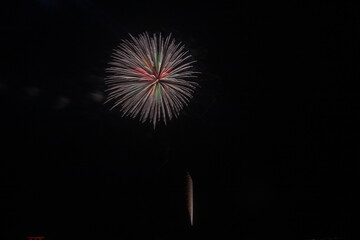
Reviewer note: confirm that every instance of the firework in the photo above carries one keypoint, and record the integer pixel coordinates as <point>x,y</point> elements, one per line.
<point>150,78</point>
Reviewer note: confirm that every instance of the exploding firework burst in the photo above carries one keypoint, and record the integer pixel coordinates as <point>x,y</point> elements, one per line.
<point>150,77</point>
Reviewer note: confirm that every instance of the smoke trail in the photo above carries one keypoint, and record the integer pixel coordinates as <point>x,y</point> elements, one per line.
<point>190,198</point>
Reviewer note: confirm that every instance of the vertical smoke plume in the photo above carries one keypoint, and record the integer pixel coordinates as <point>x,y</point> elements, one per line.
<point>190,197</point>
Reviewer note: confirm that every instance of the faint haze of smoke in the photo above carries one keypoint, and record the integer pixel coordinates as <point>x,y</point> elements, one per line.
<point>32,91</point>
<point>62,102</point>
<point>150,78</point>
<point>97,96</point>
<point>190,197</point>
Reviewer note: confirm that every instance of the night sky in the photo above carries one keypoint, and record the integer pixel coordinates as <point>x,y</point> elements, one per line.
<point>270,138</point>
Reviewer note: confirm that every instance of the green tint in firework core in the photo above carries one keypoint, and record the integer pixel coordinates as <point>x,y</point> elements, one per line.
<point>159,90</point>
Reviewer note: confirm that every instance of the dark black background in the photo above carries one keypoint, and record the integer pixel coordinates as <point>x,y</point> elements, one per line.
<point>270,138</point>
